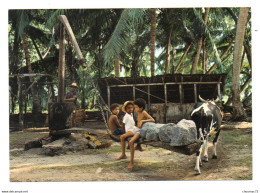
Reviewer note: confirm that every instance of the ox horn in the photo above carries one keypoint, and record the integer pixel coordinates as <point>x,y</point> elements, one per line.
<point>217,99</point>
<point>202,100</point>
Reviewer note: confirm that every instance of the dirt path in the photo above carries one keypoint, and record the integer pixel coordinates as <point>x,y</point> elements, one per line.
<point>234,163</point>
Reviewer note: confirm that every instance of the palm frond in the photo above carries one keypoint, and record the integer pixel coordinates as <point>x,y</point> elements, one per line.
<point>130,18</point>
<point>53,19</point>
<point>22,22</point>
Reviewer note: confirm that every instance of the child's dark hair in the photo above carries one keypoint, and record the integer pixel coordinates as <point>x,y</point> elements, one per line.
<point>128,104</point>
<point>140,103</point>
<point>113,106</point>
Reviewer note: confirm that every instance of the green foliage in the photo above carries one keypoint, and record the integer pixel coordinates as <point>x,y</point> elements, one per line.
<point>104,35</point>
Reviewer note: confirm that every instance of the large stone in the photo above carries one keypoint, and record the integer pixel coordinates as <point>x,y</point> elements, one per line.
<point>180,134</point>
<point>150,131</point>
<point>167,132</point>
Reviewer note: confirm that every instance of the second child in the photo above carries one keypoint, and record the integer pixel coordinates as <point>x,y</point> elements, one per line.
<point>130,128</point>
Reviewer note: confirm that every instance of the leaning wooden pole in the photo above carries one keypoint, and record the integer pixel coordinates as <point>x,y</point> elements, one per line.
<point>61,69</point>
<point>63,19</point>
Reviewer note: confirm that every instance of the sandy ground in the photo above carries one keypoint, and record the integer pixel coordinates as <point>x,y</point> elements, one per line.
<point>234,163</point>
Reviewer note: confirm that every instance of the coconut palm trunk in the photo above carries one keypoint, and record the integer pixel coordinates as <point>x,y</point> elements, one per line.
<point>182,58</point>
<point>117,68</point>
<point>152,41</point>
<point>238,111</point>
<point>168,49</point>
<point>36,110</point>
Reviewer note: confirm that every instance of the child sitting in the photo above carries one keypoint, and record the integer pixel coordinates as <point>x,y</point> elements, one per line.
<point>113,122</point>
<point>130,128</point>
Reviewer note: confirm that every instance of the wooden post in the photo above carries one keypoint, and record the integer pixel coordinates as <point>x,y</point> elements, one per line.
<point>149,100</point>
<point>133,92</point>
<point>181,93</point>
<point>165,103</point>
<point>21,123</point>
<point>61,70</point>
<point>195,93</point>
<point>108,96</point>
<point>219,93</point>
<point>108,101</point>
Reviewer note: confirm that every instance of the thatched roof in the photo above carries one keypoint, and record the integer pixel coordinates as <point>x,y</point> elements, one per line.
<point>121,89</point>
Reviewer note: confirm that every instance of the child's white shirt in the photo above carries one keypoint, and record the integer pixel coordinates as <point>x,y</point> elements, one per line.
<point>129,122</point>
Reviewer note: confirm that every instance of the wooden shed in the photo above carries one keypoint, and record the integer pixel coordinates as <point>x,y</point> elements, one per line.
<point>169,97</point>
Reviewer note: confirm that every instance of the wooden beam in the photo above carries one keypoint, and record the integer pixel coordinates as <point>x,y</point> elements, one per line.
<point>168,83</point>
<point>63,19</point>
<point>186,149</point>
<point>61,69</point>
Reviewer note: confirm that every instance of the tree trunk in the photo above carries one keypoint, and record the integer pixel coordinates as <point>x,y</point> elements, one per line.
<point>238,111</point>
<point>204,61</point>
<point>247,46</point>
<point>152,41</point>
<point>168,55</point>
<point>117,68</point>
<point>14,67</point>
<point>248,54</point>
<point>197,56</point>
<point>135,70</point>
<point>36,102</point>
<point>182,58</point>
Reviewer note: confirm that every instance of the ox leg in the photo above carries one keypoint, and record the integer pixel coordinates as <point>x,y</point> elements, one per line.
<point>205,152</point>
<point>198,159</point>
<point>215,145</point>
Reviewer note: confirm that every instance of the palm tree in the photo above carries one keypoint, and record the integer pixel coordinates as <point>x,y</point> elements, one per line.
<point>199,45</point>
<point>22,19</point>
<point>238,111</point>
<point>117,68</point>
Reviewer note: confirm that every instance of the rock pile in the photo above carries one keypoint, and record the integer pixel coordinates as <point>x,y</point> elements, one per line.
<point>182,133</point>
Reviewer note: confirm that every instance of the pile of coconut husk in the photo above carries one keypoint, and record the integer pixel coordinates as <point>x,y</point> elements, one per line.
<point>51,145</point>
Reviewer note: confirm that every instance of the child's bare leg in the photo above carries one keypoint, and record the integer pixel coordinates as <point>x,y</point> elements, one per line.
<point>132,150</point>
<point>122,140</point>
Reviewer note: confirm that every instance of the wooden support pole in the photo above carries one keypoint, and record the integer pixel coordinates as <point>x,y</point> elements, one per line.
<point>108,96</point>
<point>195,93</point>
<point>149,98</point>
<point>181,93</point>
<point>108,101</point>
<point>165,103</point>
<point>133,92</point>
<point>219,93</point>
<point>63,19</point>
<point>21,122</point>
<point>61,69</point>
